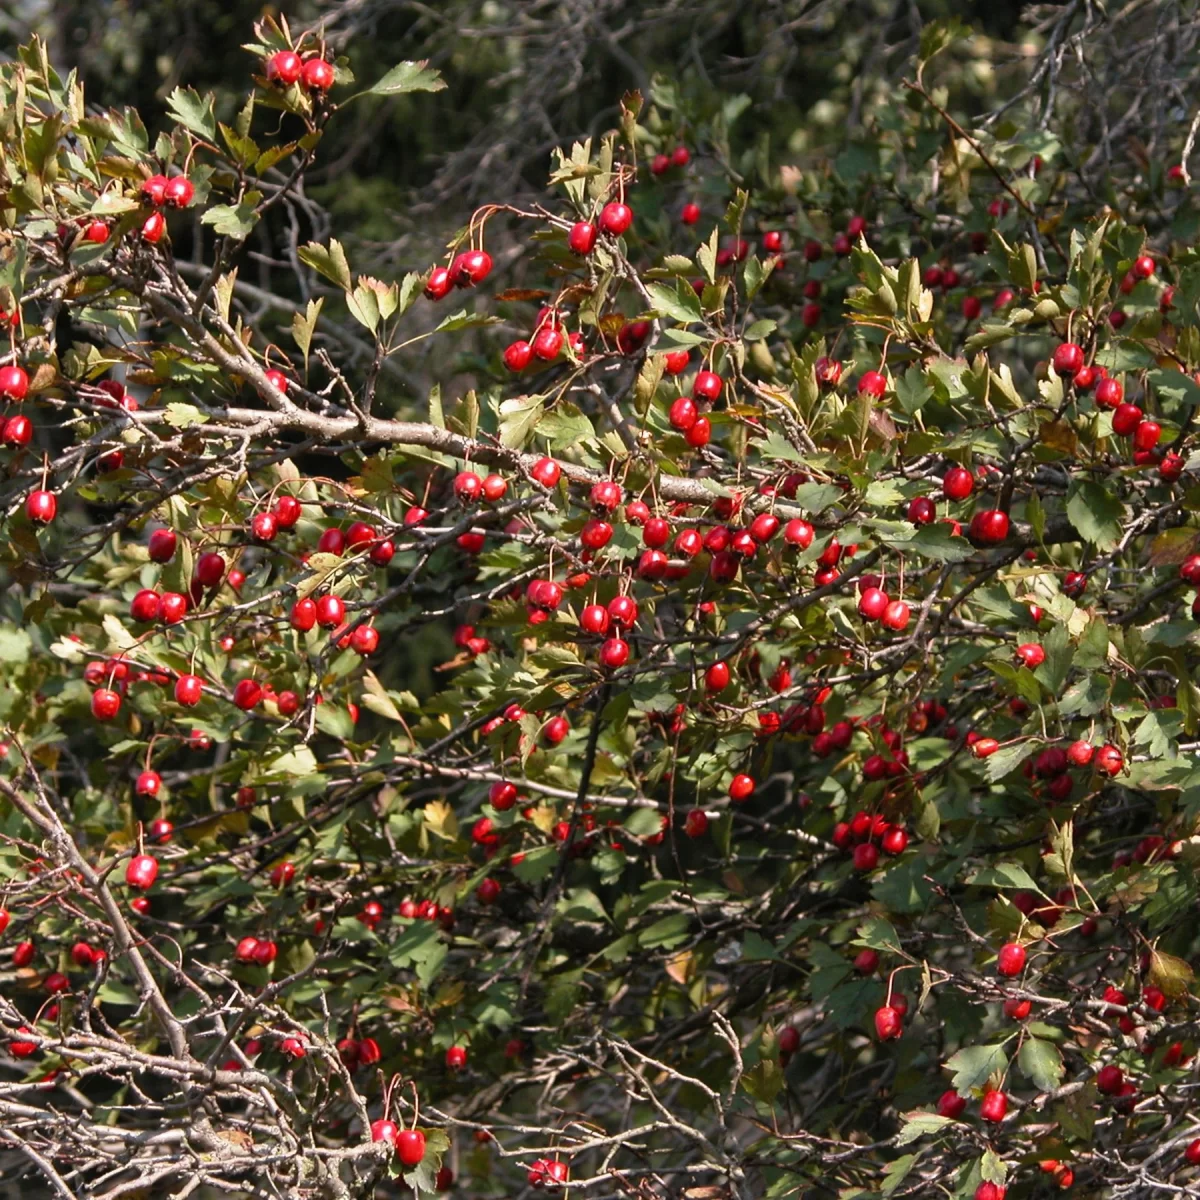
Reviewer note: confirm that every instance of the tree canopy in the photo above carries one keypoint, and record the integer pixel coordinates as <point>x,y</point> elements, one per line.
<point>613,614</point>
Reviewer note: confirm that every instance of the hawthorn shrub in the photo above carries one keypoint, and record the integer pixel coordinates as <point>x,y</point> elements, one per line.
<point>741,746</point>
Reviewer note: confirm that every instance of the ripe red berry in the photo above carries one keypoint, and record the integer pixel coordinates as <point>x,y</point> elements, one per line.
<point>951,1104</point>
<point>41,506</point>
<point>1068,358</point>
<point>872,383</point>
<point>690,213</point>
<point>105,704</point>
<point>696,823</point>
<point>518,355</point>
<point>957,483</point>
<point>439,285</point>
<point>247,694</point>
<point>707,385</point>
<point>317,75</point>
<point>582,238</point>
<point>141,872</point>
<point>546,472</point>
<point>188,690</point>
<point>471,268</point>
<point>330,611</point>
<point>741,788</point>
<point>989,526</point>
<point>210,569</point>
<point>614,653</point>
<point>410,1146</point>
<point>889,1023</point>
<point>1109,760</point>
<point>683,413</point>
<point>1031,655</point>
<point>1011,959</point>
<point>616,218</point>
<point>921,510</point>
<point>1109,393</point>
<point>993,1106</point>
<point>179,192</point>
<point>547,343</point>
<point>699,434</point>
<point>1146,435</point>
<point>145,606</point>
<point>1126,418</point>
<point>895,616</point>
<point>284,66</point>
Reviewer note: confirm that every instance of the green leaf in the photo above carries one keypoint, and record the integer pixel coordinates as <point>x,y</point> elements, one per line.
<point>973,1066</point>
<point>1003,875</point>
<point>1041,1062</point>
<point>912,391</point>
<point>329,262</point>
<point>364,306</point>
<point>918,1124</point>
<point>877,933</point>
<point>1006,759</point>
<point>665,933</point>
<point>1095,512</point>
<point>181,416</point>
<point>194,112</point>
<point>233,221</point>
<point>764,1081</point>
<point>895,1173</point>
<point>242,147</point>
<point>15,644</point>
<point>680,302</point>
<point>407,77</point>
<point>303,325</point>
<point>518,417</point>
<point>465,320</point>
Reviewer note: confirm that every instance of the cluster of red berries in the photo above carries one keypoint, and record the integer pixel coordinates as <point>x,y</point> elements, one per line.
<point>868,834</point>
<point>286,67</point>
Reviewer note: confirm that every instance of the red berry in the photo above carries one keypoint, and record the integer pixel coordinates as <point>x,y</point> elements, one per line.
<point>616,218</point>
<point>41,506</point>
<point>707,385</point>
<point>1011,959</point>
<point>317,75</point>
<point>582,238</point>
<point>683,413</point>
<point>957,483</point>
<point>439,285</point>
<point>993,1106</point>
<point>1068,358</point>
<point>546,472</point>
<point>1109,760</point>
<point>179,192</point>
<point>889,1023</point>
<point>247,694</point>
<point>284,66</point>
<point>988,526</point>
<point>518,355</point>
<point>141,872</point>
<point>690,213</point>
<point>741,788</point>
<point>872,383</point>
<point>951,1104</point>
<point>614,653</point>
<point>410,1146</point>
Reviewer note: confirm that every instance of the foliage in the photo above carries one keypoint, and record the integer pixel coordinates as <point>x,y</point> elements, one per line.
<point>594,780</point>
